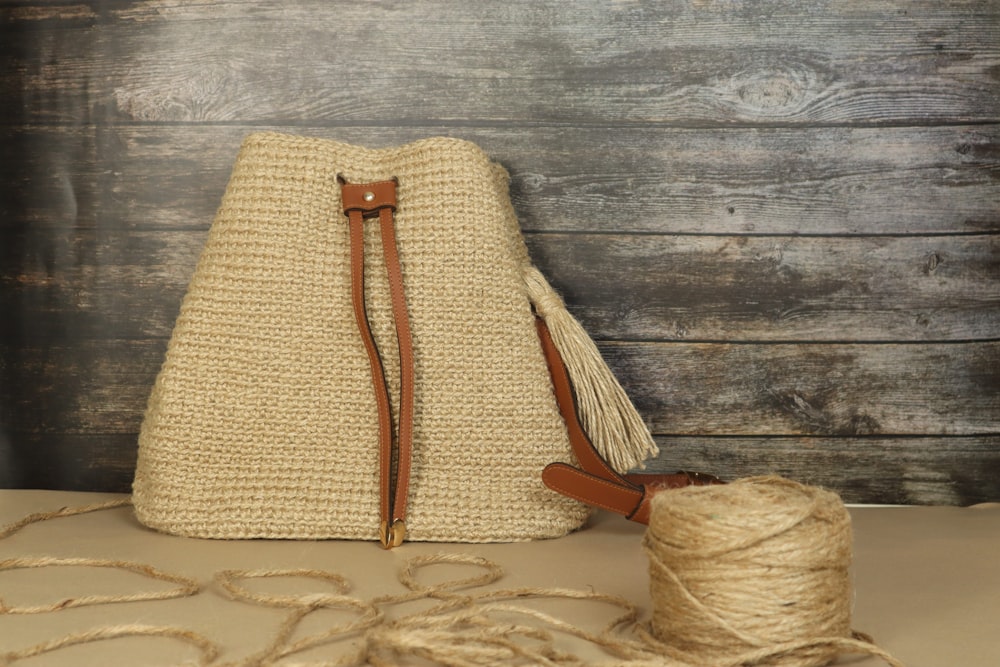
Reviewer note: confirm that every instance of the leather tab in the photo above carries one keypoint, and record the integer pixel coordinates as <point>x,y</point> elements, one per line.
<point>369,198</point>
<point>591,489</point>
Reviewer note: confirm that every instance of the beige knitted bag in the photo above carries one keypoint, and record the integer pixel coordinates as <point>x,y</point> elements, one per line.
<point>266,418</point>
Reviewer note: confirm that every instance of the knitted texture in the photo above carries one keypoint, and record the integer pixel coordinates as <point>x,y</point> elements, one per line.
<point>262,421</point>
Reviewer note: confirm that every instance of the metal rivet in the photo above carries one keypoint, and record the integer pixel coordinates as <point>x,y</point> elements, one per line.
<point>369,196</point>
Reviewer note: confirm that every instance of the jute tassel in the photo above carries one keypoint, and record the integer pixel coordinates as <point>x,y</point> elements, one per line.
<point>607,414</point>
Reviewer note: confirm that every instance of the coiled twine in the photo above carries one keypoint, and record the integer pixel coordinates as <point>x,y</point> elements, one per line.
<point>754,572</point>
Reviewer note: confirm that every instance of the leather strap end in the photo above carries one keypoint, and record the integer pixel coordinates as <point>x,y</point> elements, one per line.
<point>592,490</point>
<point>652,484</point>
<point>631,499</point>
<point>677,480</point>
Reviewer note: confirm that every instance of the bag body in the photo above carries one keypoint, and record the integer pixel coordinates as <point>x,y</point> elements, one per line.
<point>262,423</point>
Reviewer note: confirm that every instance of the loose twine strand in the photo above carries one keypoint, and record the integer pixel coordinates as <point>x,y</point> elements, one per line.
<point>741,575</point>
<point>186,587</point>
<point>38,517</point>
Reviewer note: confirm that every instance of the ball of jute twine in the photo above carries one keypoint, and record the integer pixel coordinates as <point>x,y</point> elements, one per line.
<point>752,573</point>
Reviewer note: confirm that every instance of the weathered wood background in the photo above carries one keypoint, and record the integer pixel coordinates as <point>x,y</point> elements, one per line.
<point>780,220</point>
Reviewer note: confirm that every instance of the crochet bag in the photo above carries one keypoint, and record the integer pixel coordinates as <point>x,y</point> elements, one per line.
<point>357,356</point>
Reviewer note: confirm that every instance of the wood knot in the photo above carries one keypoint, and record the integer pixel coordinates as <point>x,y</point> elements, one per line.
<point>774,89</point>
<point>933,262</point>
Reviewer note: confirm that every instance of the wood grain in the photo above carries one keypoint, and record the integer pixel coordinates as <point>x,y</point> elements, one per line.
<point>827,414</point>
<point>817,181</point>
<point>929,470</point>
<point>780,219</point>
<point>829,181</point>
<point>916,470</point>
<point>783,389</point>
<point>767,288</point>
<point>129,283</point>
<point>70,461</point>
<point>102,385</point>
<point>696,64</point>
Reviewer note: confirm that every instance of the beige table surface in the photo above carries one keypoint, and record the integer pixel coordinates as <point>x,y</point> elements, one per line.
<point>927,581</point>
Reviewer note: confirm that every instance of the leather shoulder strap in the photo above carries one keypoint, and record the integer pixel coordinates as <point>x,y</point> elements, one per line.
<point>595,482</point>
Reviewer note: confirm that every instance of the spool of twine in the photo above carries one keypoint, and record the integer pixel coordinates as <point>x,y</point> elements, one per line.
<point>752,573</point>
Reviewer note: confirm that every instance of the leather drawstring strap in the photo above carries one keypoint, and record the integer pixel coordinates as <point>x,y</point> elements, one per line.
<point>368,201</point>
<point>595,482</point>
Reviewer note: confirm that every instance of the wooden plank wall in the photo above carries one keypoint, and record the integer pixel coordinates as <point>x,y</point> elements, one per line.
<point>779,219</point>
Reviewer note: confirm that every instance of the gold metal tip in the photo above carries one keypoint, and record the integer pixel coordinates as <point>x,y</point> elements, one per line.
<point>383,535</point>
<point>398,532</point>
<point>392,535</point>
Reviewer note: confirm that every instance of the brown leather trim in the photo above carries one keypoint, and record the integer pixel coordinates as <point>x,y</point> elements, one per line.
<point>597,483</point>
<point>404,338</point>
<point>591,489</point>
<point>642,510</point>
<point>357,232</point>
<point>370,200</point>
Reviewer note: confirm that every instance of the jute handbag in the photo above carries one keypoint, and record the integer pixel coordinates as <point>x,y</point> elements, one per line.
<point>357,356</point>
